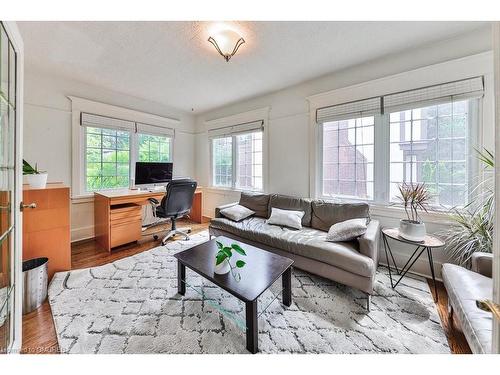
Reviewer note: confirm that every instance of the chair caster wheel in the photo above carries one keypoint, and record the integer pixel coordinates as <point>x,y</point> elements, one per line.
<point>189,231</point>
<point>155,237</point>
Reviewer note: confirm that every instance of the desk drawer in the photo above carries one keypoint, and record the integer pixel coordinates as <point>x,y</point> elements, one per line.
<point>125,211</point>
<point>122,233</point>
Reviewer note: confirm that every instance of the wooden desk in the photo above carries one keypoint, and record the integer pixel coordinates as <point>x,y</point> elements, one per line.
<point>118,215</point>
<point>46,228</point>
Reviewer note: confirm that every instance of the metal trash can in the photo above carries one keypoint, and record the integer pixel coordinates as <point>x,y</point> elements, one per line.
<point>35,279</point>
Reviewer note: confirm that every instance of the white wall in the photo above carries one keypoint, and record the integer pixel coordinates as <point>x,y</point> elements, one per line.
<point>47,133</point>
<point>289,124</point>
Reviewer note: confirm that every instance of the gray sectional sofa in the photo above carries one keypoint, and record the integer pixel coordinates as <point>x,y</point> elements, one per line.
<point>464,287</point>
<point>351,263</point>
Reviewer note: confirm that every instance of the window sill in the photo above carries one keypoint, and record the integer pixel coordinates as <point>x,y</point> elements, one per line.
<point>396,212</point>
<point>231,190</point>
<point>84,198</point>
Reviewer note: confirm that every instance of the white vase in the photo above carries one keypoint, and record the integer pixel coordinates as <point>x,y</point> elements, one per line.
<point>37,181</point>
<point>412,230</point>
<point>222,268</point>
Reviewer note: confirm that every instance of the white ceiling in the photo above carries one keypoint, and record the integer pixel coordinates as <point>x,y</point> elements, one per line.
<point>172,63</point>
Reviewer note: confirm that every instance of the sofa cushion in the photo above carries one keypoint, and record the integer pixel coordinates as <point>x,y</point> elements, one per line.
<point>346,230</point>
<point>259,203</point>
<point>236,212</point>
<point>286,218</point>
<point>325,214</point>
<point>307,242</point>
<point>464,287</point>
<point>286,202</point>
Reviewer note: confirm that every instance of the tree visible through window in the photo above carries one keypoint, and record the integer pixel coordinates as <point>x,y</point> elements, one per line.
<point>107,155</point>
<point>154,148</point>
<point>429,144</point>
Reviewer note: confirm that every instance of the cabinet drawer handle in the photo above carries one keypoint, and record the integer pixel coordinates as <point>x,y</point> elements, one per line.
<point>24,206</point>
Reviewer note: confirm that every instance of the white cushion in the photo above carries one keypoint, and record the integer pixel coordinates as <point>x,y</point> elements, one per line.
<point>286,218</point>
<point>237,212</point>
<point>346,230</point>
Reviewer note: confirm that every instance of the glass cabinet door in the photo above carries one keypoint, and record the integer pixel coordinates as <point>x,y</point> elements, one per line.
<point>7,187</point>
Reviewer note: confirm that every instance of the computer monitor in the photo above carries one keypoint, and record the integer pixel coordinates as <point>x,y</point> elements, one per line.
<point>153,173</point>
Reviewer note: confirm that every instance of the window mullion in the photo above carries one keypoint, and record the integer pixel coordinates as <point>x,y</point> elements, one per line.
<point>234,160</point>
<point>381,168</point>
<point>133,155</point>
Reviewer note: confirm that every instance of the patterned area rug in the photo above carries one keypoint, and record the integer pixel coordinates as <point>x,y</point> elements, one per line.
<point>132,306</point>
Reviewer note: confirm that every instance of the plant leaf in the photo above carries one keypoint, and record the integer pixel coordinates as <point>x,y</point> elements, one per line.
<point>227,250</point>
<point>238,249</point>
<point>240,263</point>
<point>219,244</point>
<point>220,258</point>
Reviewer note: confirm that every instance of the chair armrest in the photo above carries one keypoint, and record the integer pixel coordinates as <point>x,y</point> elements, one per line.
<point>368,242</point>
<point>218,209</point>
<point>482,263</point>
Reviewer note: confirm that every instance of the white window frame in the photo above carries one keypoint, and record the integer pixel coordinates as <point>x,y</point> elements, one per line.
<point>320,166</point>
<point>159,124</point>
<point>455,70</point>
<point>382,159</point>
<point>472,164</point>
<point>260,114</point>
<point>234,164</point>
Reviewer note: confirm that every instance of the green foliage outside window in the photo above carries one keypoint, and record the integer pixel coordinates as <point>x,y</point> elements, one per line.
<point>154,148</point>
<point>107,159</point>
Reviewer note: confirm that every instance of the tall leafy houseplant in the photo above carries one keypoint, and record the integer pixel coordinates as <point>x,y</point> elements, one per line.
<point>414,198</point>
<point>472,229</point>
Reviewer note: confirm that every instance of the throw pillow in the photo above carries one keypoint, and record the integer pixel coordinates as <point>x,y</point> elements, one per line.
<point>346,230</point>
<point>256,202</point>
<point>286,218</point>
<point>237,212</point>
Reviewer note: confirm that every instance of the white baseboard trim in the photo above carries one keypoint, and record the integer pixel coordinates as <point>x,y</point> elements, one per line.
<point>420,267</point>
<point>83,233</point>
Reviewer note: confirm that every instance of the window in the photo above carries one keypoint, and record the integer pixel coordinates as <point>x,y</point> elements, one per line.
<point>368,147</point>
<point>430,145</point>
<point>107,158</point>
<point>222,151</point>
<point>348,158</point>
<point>237,160</point>
<point>112,146</point>
<point>154,148</point>
<point>249,157</point>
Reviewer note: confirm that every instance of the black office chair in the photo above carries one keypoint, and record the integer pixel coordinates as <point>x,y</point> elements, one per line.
<point>175,204</point>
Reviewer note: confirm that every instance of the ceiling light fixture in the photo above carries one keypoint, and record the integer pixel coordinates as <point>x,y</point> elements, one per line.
<point>227,43</point>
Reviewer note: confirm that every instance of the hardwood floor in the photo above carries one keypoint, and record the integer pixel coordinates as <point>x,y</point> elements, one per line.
<point>39,334</point>
<point>456,339</point>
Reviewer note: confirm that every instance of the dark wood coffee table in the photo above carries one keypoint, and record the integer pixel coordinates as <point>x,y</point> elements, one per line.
<point>262,269</point>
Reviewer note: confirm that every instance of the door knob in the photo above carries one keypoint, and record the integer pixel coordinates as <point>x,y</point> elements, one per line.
<point>24,206</point>
<point>487,305</point>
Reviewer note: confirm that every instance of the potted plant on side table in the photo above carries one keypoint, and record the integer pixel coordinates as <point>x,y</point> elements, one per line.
<point>414,198</point>
<point>36,178</point>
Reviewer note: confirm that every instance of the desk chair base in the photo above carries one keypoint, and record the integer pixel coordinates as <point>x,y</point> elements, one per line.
<point>182,232</point>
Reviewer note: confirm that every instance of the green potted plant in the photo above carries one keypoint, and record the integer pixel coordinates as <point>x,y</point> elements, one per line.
<point>414,198</point>
<point>223,258</point>
<point>36,178</point>
<point>473,225</point>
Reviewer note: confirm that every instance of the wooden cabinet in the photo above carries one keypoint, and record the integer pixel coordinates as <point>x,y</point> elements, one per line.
<point>46,228</point>
<point>118,215</point>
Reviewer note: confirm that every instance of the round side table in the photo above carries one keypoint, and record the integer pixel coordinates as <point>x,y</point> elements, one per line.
<point>428,244</point>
